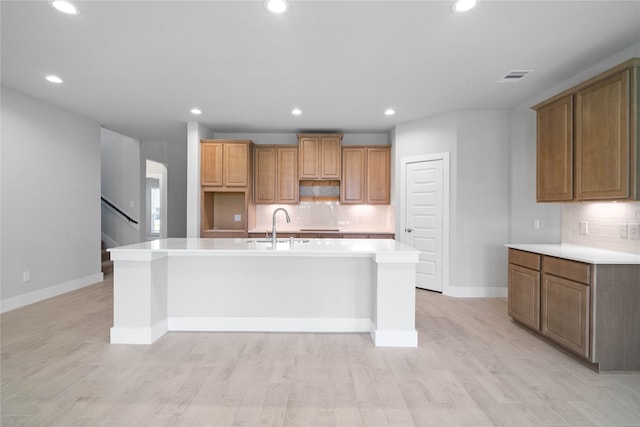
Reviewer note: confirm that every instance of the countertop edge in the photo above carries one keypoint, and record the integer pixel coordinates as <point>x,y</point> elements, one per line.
<point>579,253</point>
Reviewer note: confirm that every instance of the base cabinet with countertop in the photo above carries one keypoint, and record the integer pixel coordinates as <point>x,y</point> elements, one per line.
<point>587,308</point>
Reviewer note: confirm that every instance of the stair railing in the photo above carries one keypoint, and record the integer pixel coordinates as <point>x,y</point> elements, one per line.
<point>118,210</point>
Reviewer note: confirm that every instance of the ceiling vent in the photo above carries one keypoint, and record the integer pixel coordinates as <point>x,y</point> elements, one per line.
<point>515,76</point>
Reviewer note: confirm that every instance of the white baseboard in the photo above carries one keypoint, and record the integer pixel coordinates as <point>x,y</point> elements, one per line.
<point>384,338</point>
<point>266,324</point>
<point>476,292</point>
<point>49,292</point>
<point>140,335</point>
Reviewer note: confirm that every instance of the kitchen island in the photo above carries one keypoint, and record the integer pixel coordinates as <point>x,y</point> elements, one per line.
<point>310,285</point>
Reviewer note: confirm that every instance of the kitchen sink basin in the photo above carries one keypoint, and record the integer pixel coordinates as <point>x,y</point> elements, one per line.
<point>278,241</point>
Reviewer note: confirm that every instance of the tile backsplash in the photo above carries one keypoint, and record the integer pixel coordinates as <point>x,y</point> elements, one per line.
<point>603,221</point>
<point>328,215</point>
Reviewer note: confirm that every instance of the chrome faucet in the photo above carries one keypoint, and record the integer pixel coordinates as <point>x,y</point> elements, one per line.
<point>273,229</point>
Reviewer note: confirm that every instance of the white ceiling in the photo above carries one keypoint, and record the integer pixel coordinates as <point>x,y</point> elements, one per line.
<point>138,67</point>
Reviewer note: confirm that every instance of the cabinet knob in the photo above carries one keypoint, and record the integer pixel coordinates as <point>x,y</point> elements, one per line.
<point>408,230</point>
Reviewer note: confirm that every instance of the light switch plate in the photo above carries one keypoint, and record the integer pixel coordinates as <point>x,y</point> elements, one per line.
<point>583,228</point>
<point>634,231</point>
<point>622,231</point>
<point>237,217</point>
<point>536,224</point>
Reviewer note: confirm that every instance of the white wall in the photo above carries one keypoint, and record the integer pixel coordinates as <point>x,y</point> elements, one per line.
<point>482,201</point>
<point>120,185</point>
<point>50,217</point>
<point>172,154</point>
<point>479,198</point>
<point>195,132</point>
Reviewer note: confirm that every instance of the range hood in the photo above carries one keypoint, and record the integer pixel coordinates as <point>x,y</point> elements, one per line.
<point>324,190</point>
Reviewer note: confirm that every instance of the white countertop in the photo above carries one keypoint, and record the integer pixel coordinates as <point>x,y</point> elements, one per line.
<point>325,230</point>
<point>384,250</point>
<point>580,253</point>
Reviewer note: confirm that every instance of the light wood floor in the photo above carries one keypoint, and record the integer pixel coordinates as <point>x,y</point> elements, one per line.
<point>474,367</point>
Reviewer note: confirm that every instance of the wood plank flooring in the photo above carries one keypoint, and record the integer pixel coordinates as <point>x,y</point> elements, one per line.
<point>473,367</point>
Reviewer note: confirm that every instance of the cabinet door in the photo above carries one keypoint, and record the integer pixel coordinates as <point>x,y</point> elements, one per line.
<point>554,168</point>
<point>265,175</point>
<point>309,162</point>
<point>565,313</point>
<point>524,296</point>
<point>378,175</point>
<point>236,165</point>
<point>353,175</point>
<point>602,139</point>
<point>287,175</point>
<point>330,153</point>
<point>211,164</point>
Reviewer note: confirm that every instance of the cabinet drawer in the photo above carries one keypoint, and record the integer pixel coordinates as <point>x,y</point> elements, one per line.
<point>524,259</point>
<point>572,270</point>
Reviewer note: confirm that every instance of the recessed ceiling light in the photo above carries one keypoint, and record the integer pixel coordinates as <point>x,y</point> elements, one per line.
<point>389,112</point>
<point>296,111</point>
<point>54,79</point>
<point>463,5</point>
<point>196,111</point>
<point>276,6</point>
<point>65,7</point>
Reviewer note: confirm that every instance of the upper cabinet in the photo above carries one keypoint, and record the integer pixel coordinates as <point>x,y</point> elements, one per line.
<point>554,151</point>
<point>319,156</point>
<point>366,175</point>
<point>276,174</point>
<point>225,163</point>
<point>587,139</point>
<point>226,176</point>
<point>602,139</point>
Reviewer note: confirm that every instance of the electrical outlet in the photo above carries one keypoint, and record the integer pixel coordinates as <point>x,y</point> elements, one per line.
<point>622,231</point>
<point>237,217</point>
<point>634,231</point>
<point>583,228</point>
<point>26,276</point>
<point>536,224</point>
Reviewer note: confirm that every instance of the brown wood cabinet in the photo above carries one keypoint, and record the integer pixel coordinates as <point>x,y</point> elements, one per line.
<point>565,313</point>
<point>366,175</point>
<point>551,296</point>
<point>226,171</point>
<point>276,174</point>
<point>225,163</point>
<point>588,309</point>
<point>319,156</point>
<point>587,139</point>
<point>554,151</point>
<point>602,139</point>
<point>265,174</point>
<point>524,295</point>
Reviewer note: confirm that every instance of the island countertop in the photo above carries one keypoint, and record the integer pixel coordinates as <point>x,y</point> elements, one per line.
<point>579,253</point>
<point>377,248</point>
<point>240,284</point>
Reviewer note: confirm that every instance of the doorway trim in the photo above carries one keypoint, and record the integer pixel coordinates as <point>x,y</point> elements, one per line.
<point>446,212</point>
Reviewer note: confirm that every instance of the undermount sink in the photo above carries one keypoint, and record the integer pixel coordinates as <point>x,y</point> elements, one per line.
<point>277,241</point>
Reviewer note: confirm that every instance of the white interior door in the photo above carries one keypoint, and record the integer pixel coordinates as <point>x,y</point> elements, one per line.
<point>424,220</point>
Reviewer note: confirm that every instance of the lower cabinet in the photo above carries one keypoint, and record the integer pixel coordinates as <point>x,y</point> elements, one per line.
<point>524,295</point>
<point>551,296</point>
<point>565,313</point>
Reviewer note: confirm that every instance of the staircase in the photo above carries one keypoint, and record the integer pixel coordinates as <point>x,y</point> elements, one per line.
<point>107,264</point>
